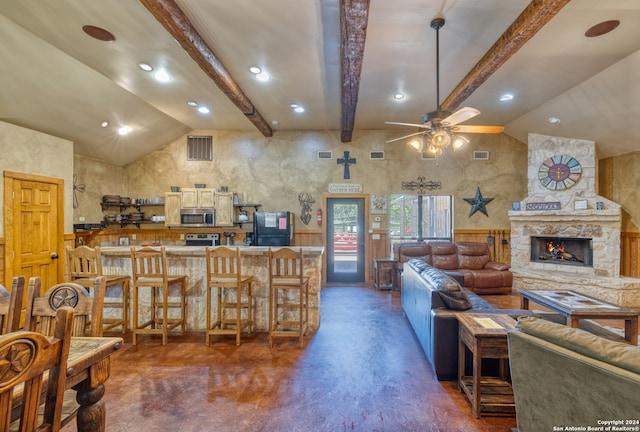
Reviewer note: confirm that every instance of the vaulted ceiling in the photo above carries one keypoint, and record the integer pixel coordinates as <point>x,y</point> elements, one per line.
<point>342,60</point>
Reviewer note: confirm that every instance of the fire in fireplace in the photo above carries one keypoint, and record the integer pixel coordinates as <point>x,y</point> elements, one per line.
<point>562,250</point>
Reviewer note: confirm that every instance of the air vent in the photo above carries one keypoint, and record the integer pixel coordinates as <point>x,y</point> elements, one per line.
<point>481,155</point>
<point>199,148</point>
<point>325,155</point>
<point>376,155</point>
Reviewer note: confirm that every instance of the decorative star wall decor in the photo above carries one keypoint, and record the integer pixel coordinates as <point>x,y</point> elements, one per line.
<point>478,203</point>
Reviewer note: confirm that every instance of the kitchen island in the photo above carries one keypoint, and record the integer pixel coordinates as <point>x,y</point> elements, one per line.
<point>190,261</point>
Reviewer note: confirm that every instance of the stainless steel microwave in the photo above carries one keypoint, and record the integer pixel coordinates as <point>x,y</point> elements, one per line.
<point>198,217</point>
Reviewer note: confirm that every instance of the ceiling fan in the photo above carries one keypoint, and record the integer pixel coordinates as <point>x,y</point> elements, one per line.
<point>440,127</point>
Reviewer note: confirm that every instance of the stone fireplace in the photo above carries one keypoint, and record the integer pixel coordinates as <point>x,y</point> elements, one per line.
<point>584,226</point>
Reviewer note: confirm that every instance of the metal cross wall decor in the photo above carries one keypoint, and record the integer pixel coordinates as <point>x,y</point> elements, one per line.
<point>346,160</point>
<point>421,186</point>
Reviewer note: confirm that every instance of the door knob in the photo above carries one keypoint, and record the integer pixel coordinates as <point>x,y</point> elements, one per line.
<point>54,255</point>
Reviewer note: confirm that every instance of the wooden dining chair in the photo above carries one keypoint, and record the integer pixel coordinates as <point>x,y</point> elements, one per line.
<point>288,294</point>
<point>85,265</point>
<point>35,365</point>
<point>149,268</point>
<point>233,294</point>
<point>11,305</point>
<point>41,309</point>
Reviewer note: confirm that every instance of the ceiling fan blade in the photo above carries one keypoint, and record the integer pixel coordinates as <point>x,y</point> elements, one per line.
<point>422,126</point>
<point>478,129</point>
<point>406,136</point>
<point>463,114</point>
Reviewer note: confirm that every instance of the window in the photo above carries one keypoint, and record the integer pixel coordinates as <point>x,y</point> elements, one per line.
<point>420,217</point>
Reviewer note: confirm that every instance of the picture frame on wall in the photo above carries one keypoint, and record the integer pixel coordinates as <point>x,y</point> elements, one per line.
<point>123,241</point>
<point>379,204</point>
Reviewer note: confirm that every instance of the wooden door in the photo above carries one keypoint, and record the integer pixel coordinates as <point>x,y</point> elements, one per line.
<point>34,227</point>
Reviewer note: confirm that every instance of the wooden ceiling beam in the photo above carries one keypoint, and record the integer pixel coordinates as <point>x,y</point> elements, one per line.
<point>354,18</point>
<point>178,25</point>
<point>535,16</point>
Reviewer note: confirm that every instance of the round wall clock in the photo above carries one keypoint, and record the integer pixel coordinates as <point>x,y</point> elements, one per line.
<point>559,172</point>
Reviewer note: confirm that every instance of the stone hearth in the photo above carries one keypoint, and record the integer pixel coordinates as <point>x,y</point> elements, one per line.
<point>576,212</point>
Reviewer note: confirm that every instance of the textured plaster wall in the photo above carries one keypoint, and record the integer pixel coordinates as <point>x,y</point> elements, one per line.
<point>26,151</point>
<point>273,171</point>
<point>99,178</point>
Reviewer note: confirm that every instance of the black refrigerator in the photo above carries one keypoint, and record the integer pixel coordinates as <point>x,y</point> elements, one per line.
<point>272,228</point>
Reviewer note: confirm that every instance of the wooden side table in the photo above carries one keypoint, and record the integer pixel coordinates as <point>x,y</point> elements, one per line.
<point>485,336</point>
<point>383,273</point>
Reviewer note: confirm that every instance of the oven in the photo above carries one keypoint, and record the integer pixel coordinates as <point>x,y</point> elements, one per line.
<point>202,239</point>
<point>197,217</point>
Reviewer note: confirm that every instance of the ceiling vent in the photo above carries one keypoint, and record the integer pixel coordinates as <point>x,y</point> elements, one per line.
<point>481,155</point>
<point>325,155</point>
<point>376,155</point>
<point>199,148</point>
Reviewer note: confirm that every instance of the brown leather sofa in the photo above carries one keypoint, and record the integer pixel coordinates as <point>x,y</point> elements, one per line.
<point>470,259</point>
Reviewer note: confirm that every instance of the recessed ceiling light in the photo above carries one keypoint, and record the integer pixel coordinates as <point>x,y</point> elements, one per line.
<point>145,67</point>
<point>297,108</point>
<point>398,96</point>
<point>275,122</point>
<point>104,123</point>
<point>505,97</point>
<point>124,130</point>
<point>553,120</point>
<point>203,110</point>
<point>192,104</point>
<point>255,70</point>
<point>162,76</point>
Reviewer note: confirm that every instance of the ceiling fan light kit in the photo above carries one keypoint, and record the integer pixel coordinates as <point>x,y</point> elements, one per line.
<point>439,128</point>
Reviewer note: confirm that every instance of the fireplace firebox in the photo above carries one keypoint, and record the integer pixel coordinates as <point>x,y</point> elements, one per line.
<point>562,250</point>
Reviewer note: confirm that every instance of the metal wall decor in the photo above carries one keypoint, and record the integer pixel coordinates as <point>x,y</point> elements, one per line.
<point>478,203</point>
<point>76,188</point>
<point>421,186</point>
<point>306,201</point>
<point>346,160</point>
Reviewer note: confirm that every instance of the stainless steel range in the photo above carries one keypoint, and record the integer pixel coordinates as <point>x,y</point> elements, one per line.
<point>201,239</point>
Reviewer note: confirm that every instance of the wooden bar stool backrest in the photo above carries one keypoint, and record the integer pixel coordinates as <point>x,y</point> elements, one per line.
<point>11,305</point>
<point>286,266</point>
<point>41,309</point>
<point>149,266</point>
<point>84,263</point>
<point>223,264</point>
<point>43,372</point>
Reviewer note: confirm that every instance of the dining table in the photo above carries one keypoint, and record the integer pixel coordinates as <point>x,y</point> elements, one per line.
<point>88,368</point>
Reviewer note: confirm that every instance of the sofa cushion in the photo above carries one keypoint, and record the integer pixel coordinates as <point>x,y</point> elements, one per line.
<point>493,265</point>
<point>619,354</point>
<point>473,256</point>
<point>447,288</point>
<point>444,255</point>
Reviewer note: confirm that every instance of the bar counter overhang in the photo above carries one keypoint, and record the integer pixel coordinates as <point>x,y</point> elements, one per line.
<point>190,261</point>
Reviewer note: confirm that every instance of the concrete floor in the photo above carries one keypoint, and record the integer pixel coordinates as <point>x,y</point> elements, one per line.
<point>363,370</point>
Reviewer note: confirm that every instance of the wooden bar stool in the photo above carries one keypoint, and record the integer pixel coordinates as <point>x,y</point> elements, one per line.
<point>224,274</point>
<point>149,267</point>
<point>85,265</point>
<point>288,295</point>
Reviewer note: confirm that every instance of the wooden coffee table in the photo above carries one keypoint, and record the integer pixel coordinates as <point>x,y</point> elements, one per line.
<point>575,306</point>
<point>485,336</point>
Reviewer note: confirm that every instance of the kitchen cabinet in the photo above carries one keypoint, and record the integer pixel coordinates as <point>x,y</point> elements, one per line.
<point>197,198</point>
<point>224,208</point>
<point>172,201</point>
